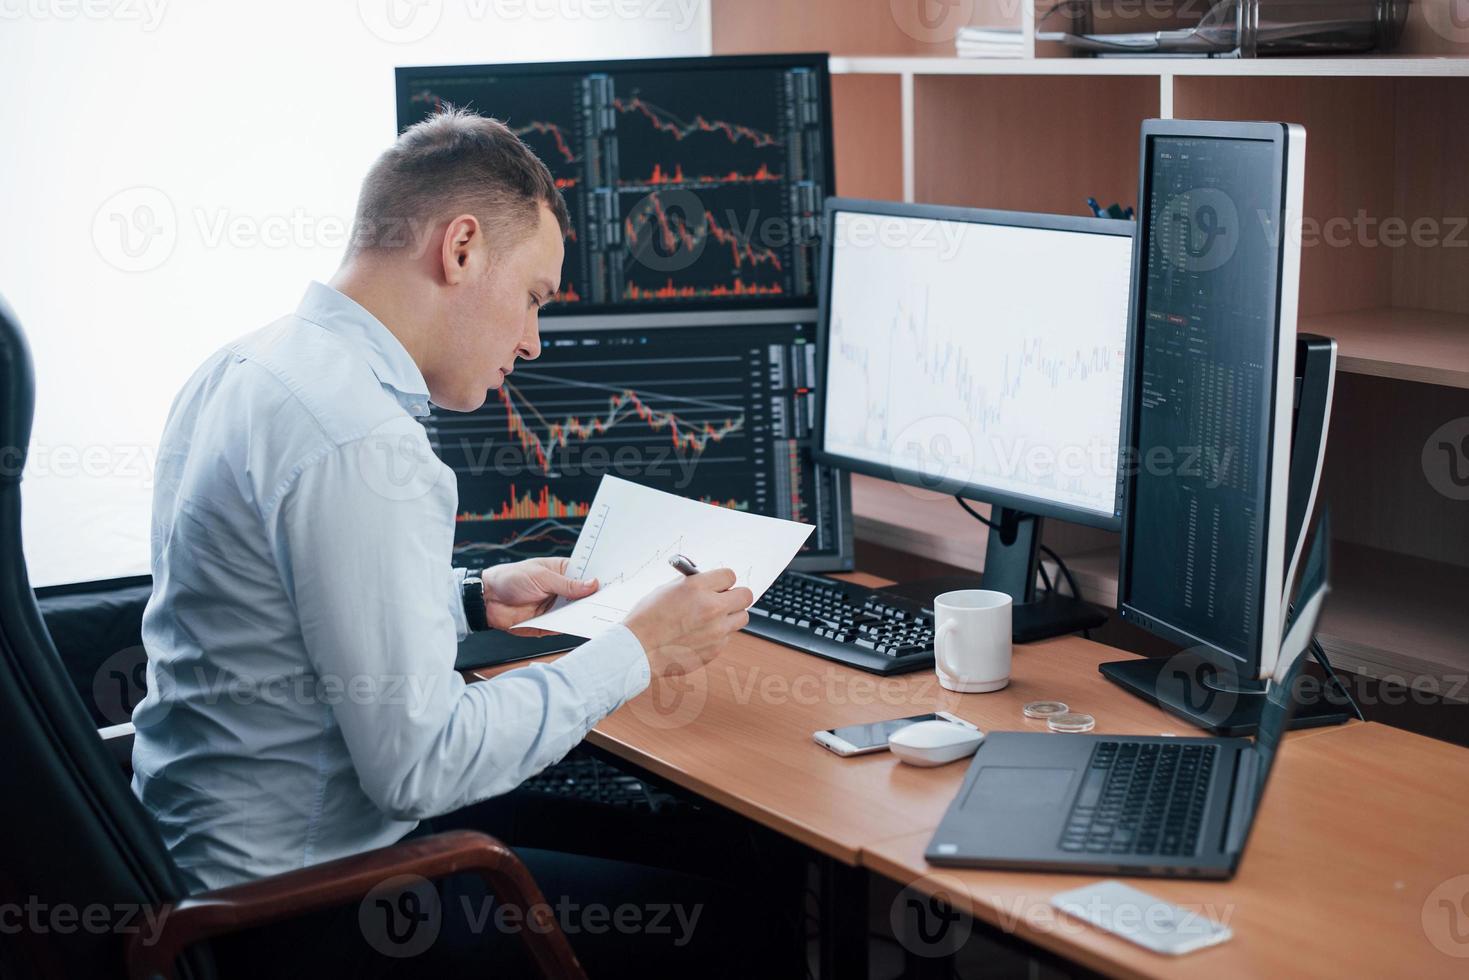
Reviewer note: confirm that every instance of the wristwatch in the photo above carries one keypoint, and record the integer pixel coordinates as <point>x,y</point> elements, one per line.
<point>473,594</point>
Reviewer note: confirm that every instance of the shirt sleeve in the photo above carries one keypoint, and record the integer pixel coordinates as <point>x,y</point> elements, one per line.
<point>366,558</point>
<point>456,601</point>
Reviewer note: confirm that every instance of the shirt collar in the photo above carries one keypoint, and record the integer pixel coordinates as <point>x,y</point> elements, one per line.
<point>375,343</point>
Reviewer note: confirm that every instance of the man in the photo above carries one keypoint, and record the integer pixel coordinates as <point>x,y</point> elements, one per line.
<point>303,703</point>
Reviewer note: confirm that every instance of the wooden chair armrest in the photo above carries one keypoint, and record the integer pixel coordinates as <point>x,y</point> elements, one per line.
<point>284,896</point>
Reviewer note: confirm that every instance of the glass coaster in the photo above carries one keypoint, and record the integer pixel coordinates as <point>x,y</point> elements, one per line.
<point>1045,709</point>
<point>1071,722</point>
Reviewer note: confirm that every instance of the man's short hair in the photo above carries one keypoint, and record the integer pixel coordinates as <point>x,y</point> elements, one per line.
<point>454,162</point>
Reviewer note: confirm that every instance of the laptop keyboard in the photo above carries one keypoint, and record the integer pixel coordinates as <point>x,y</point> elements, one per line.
<point>1141,798</point>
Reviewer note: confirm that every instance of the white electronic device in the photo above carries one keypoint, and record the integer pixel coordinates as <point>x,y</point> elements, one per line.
<point>862,739</point>
<point>934,743</point>
<point>1140,918</point>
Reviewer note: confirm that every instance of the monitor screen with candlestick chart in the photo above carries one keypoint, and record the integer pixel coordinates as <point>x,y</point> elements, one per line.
<point>692,183</point>
<point>717,413</point>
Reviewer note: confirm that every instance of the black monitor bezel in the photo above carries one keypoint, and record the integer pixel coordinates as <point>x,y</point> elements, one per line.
<point>819,62</point>
<point>1277,135</point>
<point>1016,219</point>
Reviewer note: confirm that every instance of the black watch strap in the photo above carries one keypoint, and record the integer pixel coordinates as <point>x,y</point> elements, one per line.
<point>473,595</point>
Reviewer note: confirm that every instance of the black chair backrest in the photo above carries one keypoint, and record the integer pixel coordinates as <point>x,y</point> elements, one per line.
<point>75,838</point>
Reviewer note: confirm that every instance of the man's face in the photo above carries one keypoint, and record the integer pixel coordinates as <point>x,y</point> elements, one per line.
<point>493,315</point>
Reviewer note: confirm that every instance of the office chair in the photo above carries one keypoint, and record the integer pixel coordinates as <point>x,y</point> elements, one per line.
<point>75,836</point>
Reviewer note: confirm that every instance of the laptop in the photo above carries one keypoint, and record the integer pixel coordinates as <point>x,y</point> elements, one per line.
<point>1127,805</point>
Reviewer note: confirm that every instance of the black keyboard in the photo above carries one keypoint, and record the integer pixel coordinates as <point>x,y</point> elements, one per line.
<point>1141,798</point>
<point>850,624</point>
<point>590,780</point>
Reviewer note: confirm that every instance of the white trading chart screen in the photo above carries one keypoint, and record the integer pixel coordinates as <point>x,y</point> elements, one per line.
<point>979,354</point>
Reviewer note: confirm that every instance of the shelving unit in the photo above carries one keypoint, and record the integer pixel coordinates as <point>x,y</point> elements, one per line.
<point>1372,66</point>
<point>1391,617</point>
<point>1426,346</point>
<point>1387,137</point>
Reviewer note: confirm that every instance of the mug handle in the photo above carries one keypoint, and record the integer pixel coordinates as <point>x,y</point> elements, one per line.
<point>949,627</point>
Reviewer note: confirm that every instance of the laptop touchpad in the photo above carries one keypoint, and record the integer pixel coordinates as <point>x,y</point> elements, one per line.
<point>1018,788</point>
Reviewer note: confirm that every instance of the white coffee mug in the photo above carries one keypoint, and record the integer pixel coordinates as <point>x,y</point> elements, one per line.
<point>972,640</point>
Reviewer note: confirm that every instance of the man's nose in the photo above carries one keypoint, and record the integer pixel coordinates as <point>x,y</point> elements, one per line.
<point>530,347</point>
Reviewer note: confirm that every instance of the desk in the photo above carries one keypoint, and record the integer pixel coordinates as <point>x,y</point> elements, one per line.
<point>739,733</point>
<point>1359,825</point>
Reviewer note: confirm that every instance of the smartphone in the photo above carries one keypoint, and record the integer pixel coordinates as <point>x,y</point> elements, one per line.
<point>862,739</point>
<point>1140,918</point>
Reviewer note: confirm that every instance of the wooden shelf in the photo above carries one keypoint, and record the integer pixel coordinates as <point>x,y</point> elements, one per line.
<point>1391,616</point>
<point>931,524</point>
<point>1408,345</point>
<point>916,521</point>
<point>1398,617</point>
<point>1095,571</point>
<point>1420,66</point>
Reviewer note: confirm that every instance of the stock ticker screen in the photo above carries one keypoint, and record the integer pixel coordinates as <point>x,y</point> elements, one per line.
<point>1209,336</point>
<point>691,183</point>
<point>719,414</point>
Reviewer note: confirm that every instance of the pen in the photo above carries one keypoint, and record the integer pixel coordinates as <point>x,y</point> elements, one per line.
<point>684,565</point>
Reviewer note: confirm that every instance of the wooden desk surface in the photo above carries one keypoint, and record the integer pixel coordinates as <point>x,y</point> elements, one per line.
<point>1360,824</point>
<point>1359,844</point>
<point>739,733</point>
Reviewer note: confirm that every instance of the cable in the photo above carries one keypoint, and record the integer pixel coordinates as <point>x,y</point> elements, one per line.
<point>1045,576</point>
<point>1320,654</point>
<point>1070,580</point>
<point>974,513</point>
<point>1060,564</point>
<point>1061,568</point>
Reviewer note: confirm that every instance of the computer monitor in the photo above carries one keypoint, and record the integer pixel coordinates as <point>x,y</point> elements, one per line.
<point>1205,548</point>
<point>692,183</point>
<point>982,354</point>
<point>715,411</point>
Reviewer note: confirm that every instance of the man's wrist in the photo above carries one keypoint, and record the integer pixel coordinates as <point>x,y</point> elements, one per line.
<point>637,631</point>
<point>473,595</point>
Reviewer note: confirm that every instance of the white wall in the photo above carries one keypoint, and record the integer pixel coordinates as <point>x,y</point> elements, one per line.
<point>172,174</point>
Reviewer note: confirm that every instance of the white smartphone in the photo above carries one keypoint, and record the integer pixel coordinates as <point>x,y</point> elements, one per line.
<point>1147,920</point>
<point>862,739</point>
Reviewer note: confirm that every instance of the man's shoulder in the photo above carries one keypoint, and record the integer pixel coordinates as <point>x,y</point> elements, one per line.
<point>300,371</point>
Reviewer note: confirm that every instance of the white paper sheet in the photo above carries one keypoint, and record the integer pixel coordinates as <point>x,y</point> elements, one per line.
<point>630,533</point>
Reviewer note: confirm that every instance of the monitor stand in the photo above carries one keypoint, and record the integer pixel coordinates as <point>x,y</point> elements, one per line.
<point>1011,561</point>
<point>1196,690</point>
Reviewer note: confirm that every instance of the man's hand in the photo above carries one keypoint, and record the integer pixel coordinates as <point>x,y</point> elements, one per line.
<point>685,624</point>
<point>526,589</point>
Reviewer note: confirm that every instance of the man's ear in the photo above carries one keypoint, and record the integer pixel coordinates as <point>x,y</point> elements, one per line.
<point>462,238</point>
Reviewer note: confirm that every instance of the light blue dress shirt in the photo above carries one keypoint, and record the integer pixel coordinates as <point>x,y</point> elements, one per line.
<point>302,699</point>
